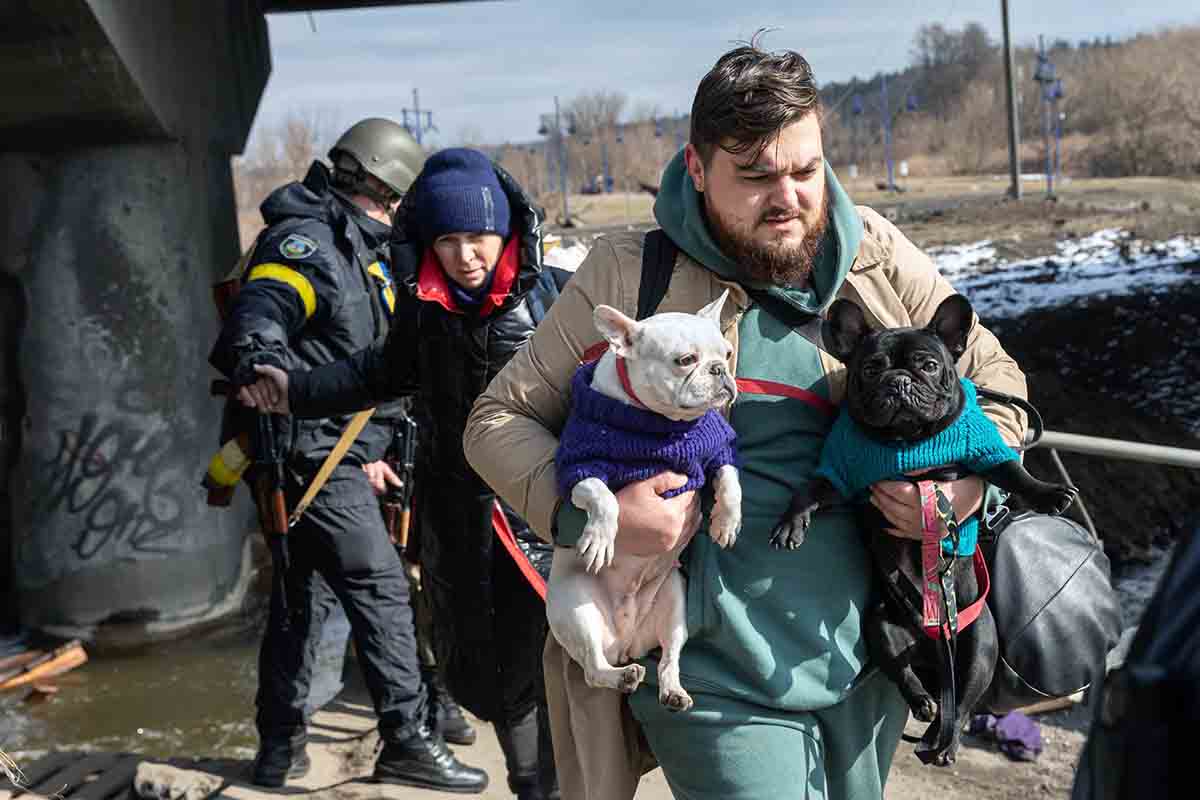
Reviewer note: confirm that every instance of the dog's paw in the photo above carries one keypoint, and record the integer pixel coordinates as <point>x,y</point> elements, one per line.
<point>675,699</point>
<point>789,532</point>
<point>597,545</point>
<point>725,526</point>
<point>631,678</point>
<point>1055,499</point>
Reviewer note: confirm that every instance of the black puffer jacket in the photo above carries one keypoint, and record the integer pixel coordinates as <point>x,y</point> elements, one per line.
<point>447,359</point>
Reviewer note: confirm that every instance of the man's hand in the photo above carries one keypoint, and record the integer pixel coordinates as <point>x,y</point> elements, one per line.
<point>900,503</point>
<point>649,524</point>
<point>269,394</point>
<point>379,475</point>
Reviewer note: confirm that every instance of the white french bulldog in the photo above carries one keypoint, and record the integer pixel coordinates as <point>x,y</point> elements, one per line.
<point>607,613</point>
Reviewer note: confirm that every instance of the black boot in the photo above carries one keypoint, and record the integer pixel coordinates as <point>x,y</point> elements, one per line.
<point>526,787</point>
<point>547,774</point>
<point>424,760</point>
<point>528,757</point>
<point>279,759</point>
<point>451,723</point>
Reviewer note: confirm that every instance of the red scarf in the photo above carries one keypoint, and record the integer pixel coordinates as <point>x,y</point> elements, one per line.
<point>433,286</point>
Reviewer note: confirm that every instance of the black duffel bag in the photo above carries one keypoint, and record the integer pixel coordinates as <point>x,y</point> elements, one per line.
<point>1055,609</point>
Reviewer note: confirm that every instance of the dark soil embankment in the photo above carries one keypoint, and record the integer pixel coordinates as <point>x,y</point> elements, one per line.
<point>1123,368</point>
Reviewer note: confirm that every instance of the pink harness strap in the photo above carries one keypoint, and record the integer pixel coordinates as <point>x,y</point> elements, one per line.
<point>933,620</point>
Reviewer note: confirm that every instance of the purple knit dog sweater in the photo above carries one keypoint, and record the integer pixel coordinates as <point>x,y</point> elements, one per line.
<point>621,444</point>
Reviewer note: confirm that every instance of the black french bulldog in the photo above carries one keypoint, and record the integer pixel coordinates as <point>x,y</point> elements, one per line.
<point>902,390</point>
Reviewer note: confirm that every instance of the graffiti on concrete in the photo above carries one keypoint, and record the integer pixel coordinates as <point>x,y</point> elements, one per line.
<point>115,479</point>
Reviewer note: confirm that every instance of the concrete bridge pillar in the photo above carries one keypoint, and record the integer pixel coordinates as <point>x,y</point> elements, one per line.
<point>118,213</point>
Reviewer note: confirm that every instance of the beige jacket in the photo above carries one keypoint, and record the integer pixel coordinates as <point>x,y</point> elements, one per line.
<point>513,429</point>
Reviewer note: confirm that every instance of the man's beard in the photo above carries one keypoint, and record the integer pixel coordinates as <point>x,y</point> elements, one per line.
<point>778,262</point>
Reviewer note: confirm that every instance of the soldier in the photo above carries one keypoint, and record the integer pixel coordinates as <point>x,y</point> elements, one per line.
<point>318,289</point>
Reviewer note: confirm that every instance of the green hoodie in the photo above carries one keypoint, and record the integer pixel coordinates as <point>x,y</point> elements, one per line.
<point>777,628</point>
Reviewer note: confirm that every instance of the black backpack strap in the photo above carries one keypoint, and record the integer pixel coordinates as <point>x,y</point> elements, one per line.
<point>658,262</point>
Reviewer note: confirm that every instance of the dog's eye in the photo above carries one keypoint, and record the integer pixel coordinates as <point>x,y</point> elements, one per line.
<point>687,360</point>
<point>930,367</point>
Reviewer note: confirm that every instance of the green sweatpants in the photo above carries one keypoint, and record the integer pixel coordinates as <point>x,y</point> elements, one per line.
<point>723,748</point>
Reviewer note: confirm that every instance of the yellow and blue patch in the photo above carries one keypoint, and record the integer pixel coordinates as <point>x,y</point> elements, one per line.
<point>297,247</point>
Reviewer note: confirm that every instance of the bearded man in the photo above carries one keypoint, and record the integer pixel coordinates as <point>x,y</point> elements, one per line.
<point>786,703</point>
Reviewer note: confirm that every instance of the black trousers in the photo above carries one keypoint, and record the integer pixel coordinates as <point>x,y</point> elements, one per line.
<point>339,551</point>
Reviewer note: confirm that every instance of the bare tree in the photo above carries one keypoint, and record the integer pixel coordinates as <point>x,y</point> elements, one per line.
<point>645,111</point>
<point>277,153</point>
<point>597,111</point>
<point>1184,89</point>
<point>972,135</point>
<point>470,135</point>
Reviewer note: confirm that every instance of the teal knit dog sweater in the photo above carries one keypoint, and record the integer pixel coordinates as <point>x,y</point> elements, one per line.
<point>852,461</point>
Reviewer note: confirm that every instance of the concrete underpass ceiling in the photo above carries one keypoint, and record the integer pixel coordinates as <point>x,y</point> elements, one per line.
<point>59,69</point>
<point>90,72</point>
<point>286,6</point>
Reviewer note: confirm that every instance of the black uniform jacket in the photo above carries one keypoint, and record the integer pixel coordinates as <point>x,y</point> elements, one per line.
<point>317,289</point>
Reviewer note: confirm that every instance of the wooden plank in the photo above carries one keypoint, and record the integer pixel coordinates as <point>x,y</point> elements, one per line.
<point>47,765</point>
<point>116,778</point>
<point>1053,704</point>
<point>60,660</point>
<point>74,775</point>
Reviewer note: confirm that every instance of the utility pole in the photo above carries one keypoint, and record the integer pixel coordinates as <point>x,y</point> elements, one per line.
<point>562,163</point>
<point>1057,94</point>
<point>856,110</point>
<point>608,181</point>
<point>1014,129</point>
<point>419,126</point>
<point>1049,86</point>
<point>886,112</point>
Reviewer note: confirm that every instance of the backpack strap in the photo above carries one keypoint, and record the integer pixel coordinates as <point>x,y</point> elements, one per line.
<point>658,263</point>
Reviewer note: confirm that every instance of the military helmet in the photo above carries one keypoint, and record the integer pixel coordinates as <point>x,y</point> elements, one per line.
<point>383,149</point>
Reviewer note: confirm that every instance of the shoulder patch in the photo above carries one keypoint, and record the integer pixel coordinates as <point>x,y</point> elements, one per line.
<point>297,247</point>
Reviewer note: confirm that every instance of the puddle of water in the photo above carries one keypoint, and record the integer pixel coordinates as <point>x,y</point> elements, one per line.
<point>177,698</point>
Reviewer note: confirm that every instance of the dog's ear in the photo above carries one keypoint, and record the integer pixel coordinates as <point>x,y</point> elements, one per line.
<point>847,327</point>
<point>951,323</point>
<point>713,310</point>
<point>618,330</point>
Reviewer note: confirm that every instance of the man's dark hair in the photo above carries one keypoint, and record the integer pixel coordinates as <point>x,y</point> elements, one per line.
<point>750,95</point>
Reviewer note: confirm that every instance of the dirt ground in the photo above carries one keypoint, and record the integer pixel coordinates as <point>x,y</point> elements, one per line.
<point>343,745</point>
<point>936,211</point>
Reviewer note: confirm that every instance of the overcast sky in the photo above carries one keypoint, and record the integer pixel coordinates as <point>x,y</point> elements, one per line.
<point>494,66</point>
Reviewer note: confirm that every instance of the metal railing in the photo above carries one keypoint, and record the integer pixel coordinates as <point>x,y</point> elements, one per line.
<point>1111,448</point>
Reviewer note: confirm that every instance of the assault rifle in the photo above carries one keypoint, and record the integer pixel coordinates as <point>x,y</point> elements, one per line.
<point>397,501</point>
<point>268,482</point>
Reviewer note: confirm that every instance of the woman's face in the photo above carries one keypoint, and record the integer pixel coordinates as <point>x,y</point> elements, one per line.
<point>468,258</point>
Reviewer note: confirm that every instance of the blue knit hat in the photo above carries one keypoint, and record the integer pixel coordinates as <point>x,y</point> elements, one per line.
<point>458,192</point>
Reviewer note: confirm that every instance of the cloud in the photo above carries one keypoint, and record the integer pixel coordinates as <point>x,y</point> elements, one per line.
<point>496,66</point>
